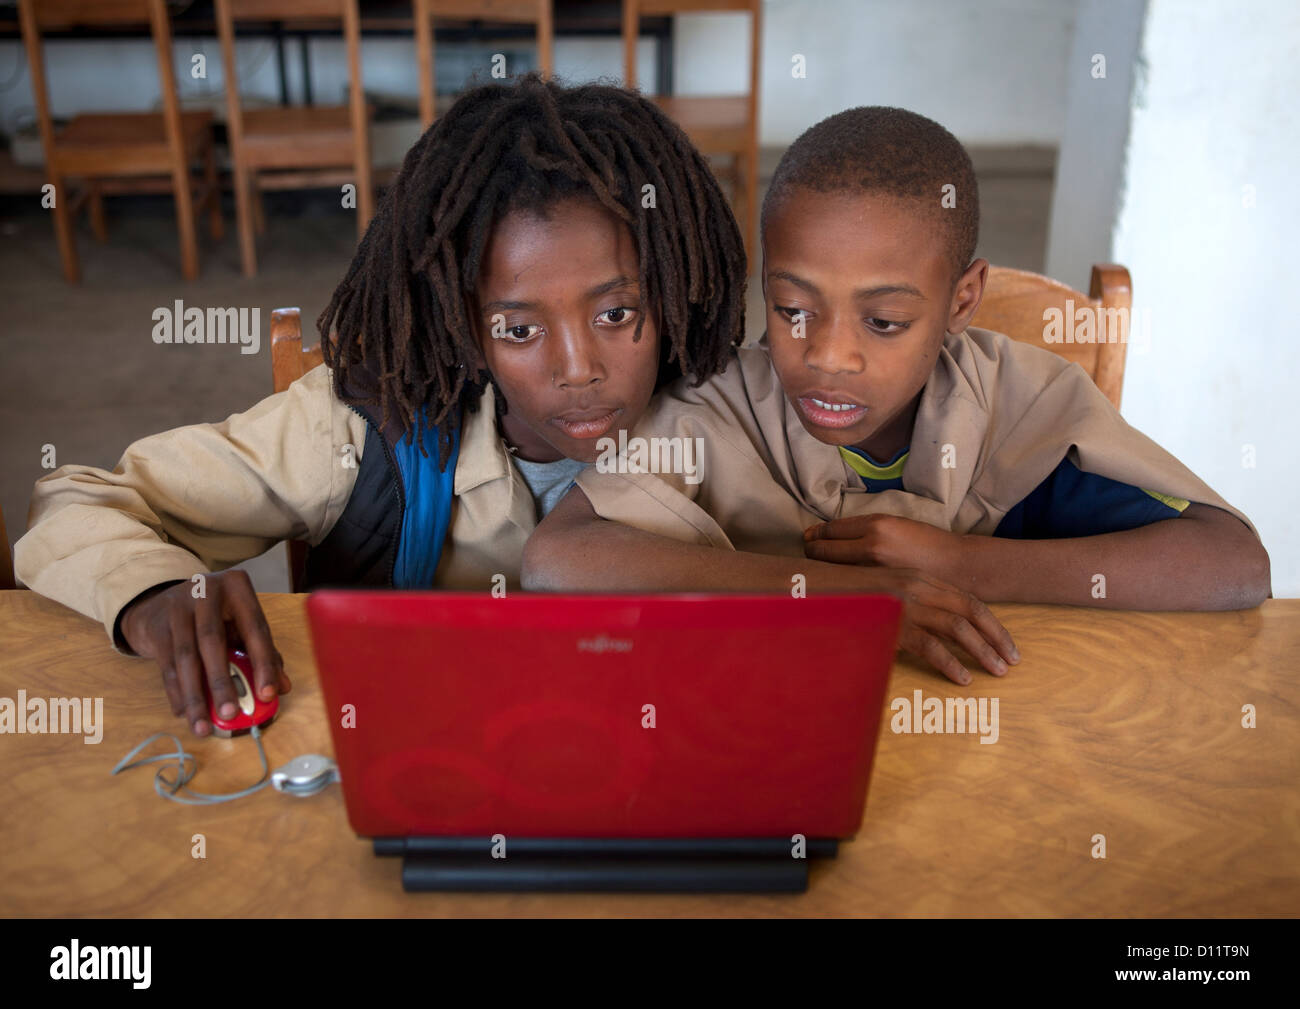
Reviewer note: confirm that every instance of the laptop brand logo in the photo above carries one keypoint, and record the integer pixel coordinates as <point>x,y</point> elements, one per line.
<point>604,643</point>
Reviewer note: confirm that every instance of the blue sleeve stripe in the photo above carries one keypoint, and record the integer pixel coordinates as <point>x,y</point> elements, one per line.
<point>429,495</point>
<point>1071,503</point>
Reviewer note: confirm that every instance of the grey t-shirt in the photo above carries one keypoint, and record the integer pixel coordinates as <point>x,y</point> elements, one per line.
<point>548,480</point>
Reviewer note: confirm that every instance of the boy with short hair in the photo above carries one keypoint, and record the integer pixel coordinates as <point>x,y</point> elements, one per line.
<point>875,428</point>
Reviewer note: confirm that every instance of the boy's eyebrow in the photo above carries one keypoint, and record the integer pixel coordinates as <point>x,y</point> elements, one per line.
<point>859,295</point>
<point>611,285</point>
<point>595,292</point>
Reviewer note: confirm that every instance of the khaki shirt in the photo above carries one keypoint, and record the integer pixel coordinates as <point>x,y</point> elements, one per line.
<point>995,419</point>
<point>205,497</point>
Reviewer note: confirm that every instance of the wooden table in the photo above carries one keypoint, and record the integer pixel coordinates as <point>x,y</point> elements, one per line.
<point>1122,724</point>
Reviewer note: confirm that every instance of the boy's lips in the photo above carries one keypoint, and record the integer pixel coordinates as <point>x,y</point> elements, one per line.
<point>823,409</point>
<point>585,424</point>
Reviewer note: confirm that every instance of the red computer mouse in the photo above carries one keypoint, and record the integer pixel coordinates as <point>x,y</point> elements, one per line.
<point>253,711</point>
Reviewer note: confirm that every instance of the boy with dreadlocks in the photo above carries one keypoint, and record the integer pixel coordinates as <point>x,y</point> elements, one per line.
<point>546,258</point>
<point>878,432</point>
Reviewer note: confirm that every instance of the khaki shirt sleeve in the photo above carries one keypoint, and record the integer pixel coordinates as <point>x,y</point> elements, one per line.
<point>1048,416</point>
<point>192,500</point>
<point>742,489</point>
<point>663,501</point>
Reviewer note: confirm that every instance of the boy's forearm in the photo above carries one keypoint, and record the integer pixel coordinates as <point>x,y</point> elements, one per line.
<point>1206,560</point>
<point>616,558</point>
<point>190,501</point>
<point>576,550</point>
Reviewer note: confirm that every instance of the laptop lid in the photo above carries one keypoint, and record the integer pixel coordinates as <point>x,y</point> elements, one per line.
<point>603,716</point>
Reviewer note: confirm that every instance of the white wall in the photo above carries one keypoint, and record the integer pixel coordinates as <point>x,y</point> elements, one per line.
<point>1214,113</point>
<point>1090,162</point>
<point>990,71</point>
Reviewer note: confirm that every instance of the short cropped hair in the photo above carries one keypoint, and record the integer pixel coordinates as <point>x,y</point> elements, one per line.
<point>890,152</point>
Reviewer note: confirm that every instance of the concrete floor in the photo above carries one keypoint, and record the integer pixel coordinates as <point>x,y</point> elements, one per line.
<point>81,372</point>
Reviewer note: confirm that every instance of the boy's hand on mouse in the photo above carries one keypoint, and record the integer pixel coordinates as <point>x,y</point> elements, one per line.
<point>188,638</point>
<point>937,615</point>
<point>888,541</point>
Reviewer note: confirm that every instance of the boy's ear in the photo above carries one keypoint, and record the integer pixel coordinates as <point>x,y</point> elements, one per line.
<point>967,294</point>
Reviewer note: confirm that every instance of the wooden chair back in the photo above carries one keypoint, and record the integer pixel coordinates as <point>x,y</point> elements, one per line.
<point>717,125</point>
<point>1023,305</point>
<point>36,16</point>
<point>58,14</point>
<point>535,12</point>
<point>121,158</point>
<point>289,362</point>
<point>7,580</point>
<point>295,151</point>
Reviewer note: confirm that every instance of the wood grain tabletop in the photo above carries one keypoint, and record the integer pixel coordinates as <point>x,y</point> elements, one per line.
<point>1130,727</point>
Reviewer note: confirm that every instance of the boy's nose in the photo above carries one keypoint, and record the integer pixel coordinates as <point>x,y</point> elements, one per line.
<point>835,350</point>
<point>577,360</point>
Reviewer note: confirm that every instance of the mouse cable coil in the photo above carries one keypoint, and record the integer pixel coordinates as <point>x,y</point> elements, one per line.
<point>302,776</point>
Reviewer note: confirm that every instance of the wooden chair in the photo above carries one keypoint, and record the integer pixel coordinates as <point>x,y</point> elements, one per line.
<point>536,12</point>
<point>296,147</point>
<point>289,362</point>
<point>1016,301</point>
<point>716,125</point>
<point>7,580</point>
<point>116,152</point>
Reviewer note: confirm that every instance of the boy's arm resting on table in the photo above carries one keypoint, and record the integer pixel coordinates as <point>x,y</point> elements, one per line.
<point>1205,559</point>
<point>188,502</point>
<point>575,550</point>
<point>125,547</point>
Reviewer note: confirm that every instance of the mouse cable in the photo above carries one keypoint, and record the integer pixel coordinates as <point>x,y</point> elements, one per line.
<point>168,788</point>
<point>303,776</point>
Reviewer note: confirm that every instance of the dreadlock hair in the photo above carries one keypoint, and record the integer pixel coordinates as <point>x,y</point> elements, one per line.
<point>875,149</point>
<point>402,318</point>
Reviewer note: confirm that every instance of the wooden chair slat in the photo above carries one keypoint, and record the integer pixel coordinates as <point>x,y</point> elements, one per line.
<point>296,142</point>
<point>289,362</point>
<point>7,580</point>
<point>61,14</point>
<point>726,126</point>
<point>538,12</point>
<point>99,146</point>
<point>281,10</point>
<point>1019,303</point>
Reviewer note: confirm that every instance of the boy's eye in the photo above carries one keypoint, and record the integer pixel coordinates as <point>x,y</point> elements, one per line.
<point>887,325</point>
<point>520,333</point>
<point>791,314</point>
<point>617,316</point>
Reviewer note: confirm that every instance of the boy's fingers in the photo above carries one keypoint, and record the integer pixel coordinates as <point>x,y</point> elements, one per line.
<point>977,613</point>
<point>185,656</point>
<point>211,635</point>
<point>837,551</point>
<point>171,681</point>
<point>957,628</point>
<point>850,527</point>
<point>991,627</point>
<point>171,684</point>
<point>246,612</point>
<point>929,648</point>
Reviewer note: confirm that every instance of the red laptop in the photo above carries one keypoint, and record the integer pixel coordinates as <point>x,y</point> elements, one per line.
<point>546,716</point>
